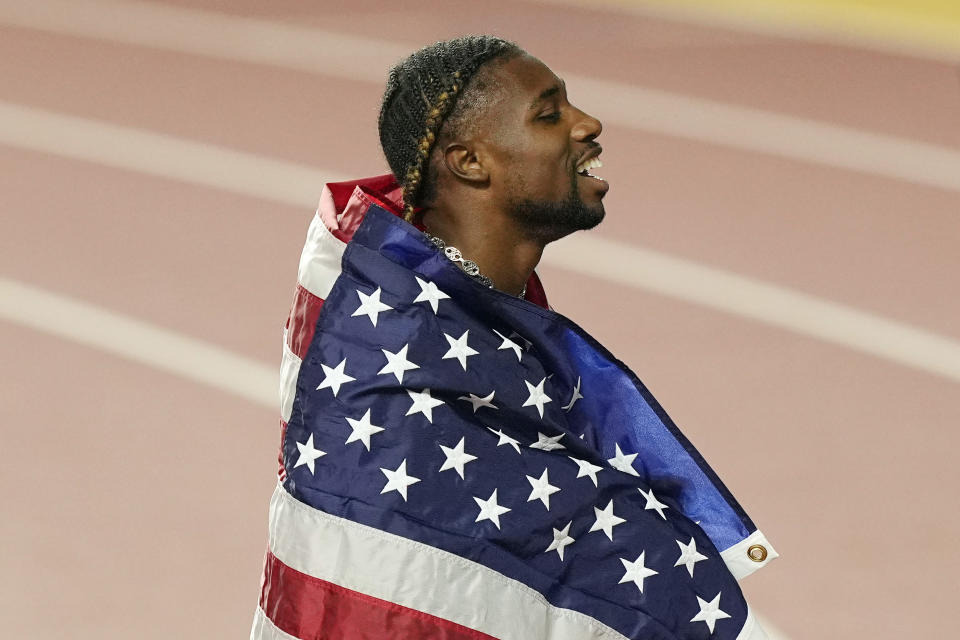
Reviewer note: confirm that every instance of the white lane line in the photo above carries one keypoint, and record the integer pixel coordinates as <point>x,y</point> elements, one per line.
<point>153,346</point>
<point>161,155</point>
<point>298,185</point>
<point>138,341</point>
<point>357,58</point>
<point>763,302</point>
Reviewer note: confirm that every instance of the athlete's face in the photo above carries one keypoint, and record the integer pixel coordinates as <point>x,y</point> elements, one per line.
<point>538,141</point>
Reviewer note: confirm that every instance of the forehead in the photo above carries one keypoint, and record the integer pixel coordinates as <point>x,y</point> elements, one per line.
<point>523,79</point>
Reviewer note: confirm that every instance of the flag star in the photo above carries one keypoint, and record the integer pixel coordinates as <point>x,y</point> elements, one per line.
<point>519,338</point>
<point>689,555</point>
<point>478,402</point>
<point>456,458</point>
<point>398,480</point>
<point>362,430</point>
<point>653,503</point>
<point>490,510</point>
<point>509,344</point>
<point>397,363</point>
<point>537,396</point>
<point>429,293</point>
<point>576,396</point>
<point>459,349</point>
<point>505,439</point>
<point>710,612</point>
<point>623,462</point>
<point>542,489</point>
<point>635,571</point>
<point>547,443</point>
<point>606,520</point>
<point>423,403</point>
<point>335,377</point>
<point>561,538</point>
<point>587,469</point>
<point>370,306</point>
<point>308,454</point>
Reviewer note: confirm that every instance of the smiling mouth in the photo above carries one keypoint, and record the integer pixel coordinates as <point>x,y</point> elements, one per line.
<point>585,167</point>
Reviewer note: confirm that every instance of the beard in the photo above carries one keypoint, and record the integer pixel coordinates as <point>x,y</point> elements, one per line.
<point>548,220</point>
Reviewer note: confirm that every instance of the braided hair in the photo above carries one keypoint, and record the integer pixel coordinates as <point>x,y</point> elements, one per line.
<point>423,92</point>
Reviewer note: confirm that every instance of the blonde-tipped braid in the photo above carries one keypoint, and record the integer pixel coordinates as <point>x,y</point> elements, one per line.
<point>435,118</point>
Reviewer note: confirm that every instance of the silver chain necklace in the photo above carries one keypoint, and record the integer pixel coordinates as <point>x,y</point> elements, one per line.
<point>469,267</point>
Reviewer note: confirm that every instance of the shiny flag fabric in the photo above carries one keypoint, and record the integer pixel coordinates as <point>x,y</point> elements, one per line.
<point>459,463</point>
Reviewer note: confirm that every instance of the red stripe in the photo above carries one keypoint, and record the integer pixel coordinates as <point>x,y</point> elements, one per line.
<point>302,321</point>
<point>313,609</point>
<point>282,473</point>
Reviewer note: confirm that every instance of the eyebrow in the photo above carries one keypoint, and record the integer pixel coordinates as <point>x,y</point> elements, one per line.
<point>548,93</point>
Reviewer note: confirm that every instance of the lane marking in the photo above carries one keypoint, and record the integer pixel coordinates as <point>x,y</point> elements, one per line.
<point>298,185</point>
<point>922,28</point>
<point>362,59</point>
<point>161,155</point>
<point>139,341</point>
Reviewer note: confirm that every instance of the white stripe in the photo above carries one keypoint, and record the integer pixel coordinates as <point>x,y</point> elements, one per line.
<point>138,341</point>
<point>586,254</point>
<point>367,59</point>
<point>289,372</point>
<point>264,629</point>
<point>418,576</point>
<point>320,261</point>
<point>768,303</point>
<point>161,155</point>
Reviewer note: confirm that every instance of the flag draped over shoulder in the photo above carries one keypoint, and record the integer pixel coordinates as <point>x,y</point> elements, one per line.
<point>460,463</point>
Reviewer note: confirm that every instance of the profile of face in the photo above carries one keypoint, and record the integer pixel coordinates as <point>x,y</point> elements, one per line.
<point>540,151</point>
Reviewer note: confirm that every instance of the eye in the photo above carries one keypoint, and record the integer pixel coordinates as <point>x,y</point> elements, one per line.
<point>553,116</point>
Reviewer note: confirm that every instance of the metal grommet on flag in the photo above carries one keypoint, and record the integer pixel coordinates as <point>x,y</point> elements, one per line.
<point>757,553</point>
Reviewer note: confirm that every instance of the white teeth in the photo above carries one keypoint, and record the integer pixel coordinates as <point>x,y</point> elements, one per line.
<point>586,165</point>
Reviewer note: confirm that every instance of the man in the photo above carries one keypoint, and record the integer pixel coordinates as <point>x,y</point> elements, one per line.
<point>458,461</point>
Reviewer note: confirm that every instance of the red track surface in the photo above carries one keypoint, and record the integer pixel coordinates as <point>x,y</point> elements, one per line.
<point>136,500</point>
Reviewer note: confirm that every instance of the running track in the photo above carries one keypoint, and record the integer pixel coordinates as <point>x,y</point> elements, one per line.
<point>779,264</point>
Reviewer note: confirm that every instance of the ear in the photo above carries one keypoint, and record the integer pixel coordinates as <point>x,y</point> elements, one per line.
<point>465,163</point>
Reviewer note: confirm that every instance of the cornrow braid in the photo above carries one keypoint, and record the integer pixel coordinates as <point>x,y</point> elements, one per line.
<point>422,91</point>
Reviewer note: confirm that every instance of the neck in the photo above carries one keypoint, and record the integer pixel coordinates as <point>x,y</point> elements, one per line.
<point>501,253</point>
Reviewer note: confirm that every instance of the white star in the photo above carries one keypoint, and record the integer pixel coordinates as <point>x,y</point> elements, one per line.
<point>709,612</point>
<point>623,462</point>
<point>335,377</point>
<point>606,520</point>
<point>576,396</point>
<point>689,555</point>
<point>398,480</point>
<point>459,349</point>
<point>370,306</point>
<point>362,430</point>
<point>542,489</point>
<point>505,439</point>
<point>397,363</point>
<point>636,572</point>
<point>490,510</point>
<point>429,293</point>
<point>477,401</point>
<point>547,443</point>
<point>537,396</point>
<point>423,403</point>
<point>587,469</point>
<point>509,344</point>
<point>526,343</point>
<point>561,538</point>
<point>653,503</point>
<point>308,453</point>
<point>456,458</point>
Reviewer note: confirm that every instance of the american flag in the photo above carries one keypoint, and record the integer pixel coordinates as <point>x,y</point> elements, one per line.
<point>459,463</point>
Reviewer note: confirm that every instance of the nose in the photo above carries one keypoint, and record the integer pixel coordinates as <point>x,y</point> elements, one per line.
<point>587,128</point>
